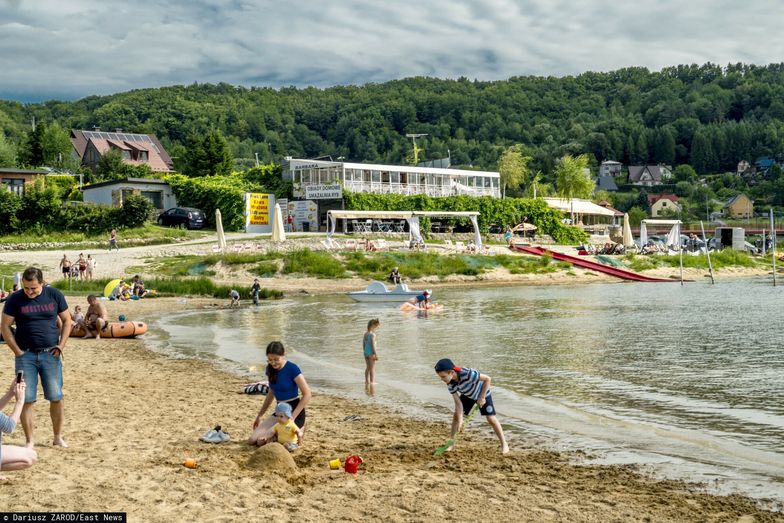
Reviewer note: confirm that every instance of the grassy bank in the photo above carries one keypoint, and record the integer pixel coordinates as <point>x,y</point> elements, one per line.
<point>365,265</point>
<point>719,259</point>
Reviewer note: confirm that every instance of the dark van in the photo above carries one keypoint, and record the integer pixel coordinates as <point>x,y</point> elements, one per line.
<point>183,217</point>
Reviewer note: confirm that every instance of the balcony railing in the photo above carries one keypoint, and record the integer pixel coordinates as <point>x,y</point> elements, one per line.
<point>410,190</point>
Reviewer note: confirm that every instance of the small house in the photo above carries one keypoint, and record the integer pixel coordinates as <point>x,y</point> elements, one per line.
<point>739,206</point>
<point>663,202</point>
<point>114,192</point>
<point>135,149</point>
<point>649,175</point>
<point>610,168</point>
<point>14,180</point>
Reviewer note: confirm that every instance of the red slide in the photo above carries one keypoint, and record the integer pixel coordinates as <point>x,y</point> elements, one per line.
<point>587,264</point>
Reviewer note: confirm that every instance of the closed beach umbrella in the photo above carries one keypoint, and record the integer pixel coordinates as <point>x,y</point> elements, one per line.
<point>110,287</point>
<point>628,239</point>
<point>278,234</point>
<point>219,229</point>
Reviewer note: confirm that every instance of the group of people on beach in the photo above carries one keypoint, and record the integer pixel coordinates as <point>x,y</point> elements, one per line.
<point>469,388</point>
<point>83,268</point>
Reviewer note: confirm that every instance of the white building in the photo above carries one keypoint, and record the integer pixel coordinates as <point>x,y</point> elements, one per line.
<point>309,176</point>
<point>114,192</point>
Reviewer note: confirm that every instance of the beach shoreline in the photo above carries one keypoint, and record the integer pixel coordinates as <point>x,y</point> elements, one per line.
<point>133,415</point>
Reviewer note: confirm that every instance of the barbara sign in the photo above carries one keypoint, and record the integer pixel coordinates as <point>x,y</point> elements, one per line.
<point>323,192</point>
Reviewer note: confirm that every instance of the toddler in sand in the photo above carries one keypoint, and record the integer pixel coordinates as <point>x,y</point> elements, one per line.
<point>78,319</point>
<point>286,432</point>
<point>370,349</point>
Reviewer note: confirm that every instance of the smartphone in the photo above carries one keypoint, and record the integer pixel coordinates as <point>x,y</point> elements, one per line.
<point>19,376</point>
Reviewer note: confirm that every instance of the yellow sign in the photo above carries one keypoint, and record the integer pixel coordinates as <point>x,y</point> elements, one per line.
<point>258,209</point>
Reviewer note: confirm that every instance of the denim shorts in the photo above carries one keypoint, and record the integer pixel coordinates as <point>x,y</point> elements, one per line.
<point>51,370</point>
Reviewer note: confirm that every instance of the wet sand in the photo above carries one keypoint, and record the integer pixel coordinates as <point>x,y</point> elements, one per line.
<point>133,416</point>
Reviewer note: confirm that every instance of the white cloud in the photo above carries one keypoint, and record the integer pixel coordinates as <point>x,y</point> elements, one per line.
<point>80,47</point>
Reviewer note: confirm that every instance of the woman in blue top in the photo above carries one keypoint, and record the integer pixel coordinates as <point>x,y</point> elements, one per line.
<point>285,382</point>
<point>13,457</point>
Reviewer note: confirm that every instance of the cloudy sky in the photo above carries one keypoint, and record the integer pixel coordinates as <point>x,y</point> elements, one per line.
<point>69,49</point>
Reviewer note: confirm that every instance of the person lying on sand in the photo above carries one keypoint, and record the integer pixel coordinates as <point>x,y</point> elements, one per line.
<point>469,387</point>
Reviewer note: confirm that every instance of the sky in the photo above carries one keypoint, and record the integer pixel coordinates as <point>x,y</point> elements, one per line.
<point>69,49</point>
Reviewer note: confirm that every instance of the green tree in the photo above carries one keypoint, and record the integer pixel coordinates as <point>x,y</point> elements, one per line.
<point>56,146</point>
<point>32,152</point>
<point>685,173</point>
<point>636,215</point>
<point>110,166</point>
<point>7,153</point>
<point>513,167</point>
<point>572,178</point>
<point>208,156</point>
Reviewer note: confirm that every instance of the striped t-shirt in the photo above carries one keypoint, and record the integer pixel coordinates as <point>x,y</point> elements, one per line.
<point>467,384</point>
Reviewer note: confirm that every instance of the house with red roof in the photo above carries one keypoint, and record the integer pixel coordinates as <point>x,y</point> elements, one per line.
<point>136,149</point>
<point>663,202</point>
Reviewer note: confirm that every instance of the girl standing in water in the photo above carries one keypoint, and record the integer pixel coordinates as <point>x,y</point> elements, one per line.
<point>370,348</point>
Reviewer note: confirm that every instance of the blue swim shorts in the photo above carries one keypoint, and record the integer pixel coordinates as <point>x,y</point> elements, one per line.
<point>487,410</point>
<point>50,369</point>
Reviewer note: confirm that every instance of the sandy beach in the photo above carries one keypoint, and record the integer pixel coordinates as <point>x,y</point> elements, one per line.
<point>133,416</point>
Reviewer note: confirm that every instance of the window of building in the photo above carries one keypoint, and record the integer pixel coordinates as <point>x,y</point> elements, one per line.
<point>143,156</point>
<point>155,197</point>
<point>14,185</point>
<point>376,177</point>
<point>126,155</point>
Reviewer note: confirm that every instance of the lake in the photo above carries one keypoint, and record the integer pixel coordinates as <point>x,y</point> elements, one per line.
<point>686,382</point>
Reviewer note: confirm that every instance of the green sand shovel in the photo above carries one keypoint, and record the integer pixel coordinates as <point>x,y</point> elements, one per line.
<point>451,441</point>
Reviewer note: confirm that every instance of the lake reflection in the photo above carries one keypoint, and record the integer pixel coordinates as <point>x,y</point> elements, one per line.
<point>687,380</point>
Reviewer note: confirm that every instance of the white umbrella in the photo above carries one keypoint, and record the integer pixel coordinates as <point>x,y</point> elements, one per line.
<point>278,233</point>
<point>628,239</point>
<point>219,228</point>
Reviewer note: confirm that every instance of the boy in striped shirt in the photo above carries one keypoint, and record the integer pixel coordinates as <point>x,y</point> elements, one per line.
<point>469,387</point>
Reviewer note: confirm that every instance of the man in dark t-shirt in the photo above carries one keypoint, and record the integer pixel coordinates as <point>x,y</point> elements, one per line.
<point>38,346</point>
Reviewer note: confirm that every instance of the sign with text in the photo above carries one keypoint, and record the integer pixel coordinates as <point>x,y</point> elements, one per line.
<point>258,212</point>
<point>323,192</point>
<point>304,211</point>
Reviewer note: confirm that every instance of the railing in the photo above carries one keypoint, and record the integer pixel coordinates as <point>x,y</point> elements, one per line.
<point>410,190</point>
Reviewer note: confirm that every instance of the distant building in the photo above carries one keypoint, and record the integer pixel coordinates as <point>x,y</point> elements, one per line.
<point>739,206</point>
<point>610,168</point>
<point>114,193</point>
<point>663,202</point>
<point>389,179</point>
<point>136,149</point>
<point>649,175</point>
<point>606,183</point>
<point>14,180</point>
<point>764,165</point>
<point>744,168</point>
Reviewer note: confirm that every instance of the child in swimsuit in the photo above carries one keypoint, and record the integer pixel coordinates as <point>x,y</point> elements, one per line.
<point>370,350</point>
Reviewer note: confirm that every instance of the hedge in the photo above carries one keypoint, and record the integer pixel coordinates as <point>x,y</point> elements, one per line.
<point>502,212</point>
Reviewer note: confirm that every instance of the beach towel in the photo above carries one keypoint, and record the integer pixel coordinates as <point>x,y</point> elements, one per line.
<point>256,388</point>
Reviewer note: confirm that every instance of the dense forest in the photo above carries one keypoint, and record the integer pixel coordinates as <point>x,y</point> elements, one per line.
<point>704,115</point>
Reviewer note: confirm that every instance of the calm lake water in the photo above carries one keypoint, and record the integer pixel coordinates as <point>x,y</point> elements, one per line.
<point>685,381</point>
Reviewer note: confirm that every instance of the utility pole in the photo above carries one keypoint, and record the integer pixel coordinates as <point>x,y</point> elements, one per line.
<point>257,159</point>
<point>33,122</point>
<point>413,137</point>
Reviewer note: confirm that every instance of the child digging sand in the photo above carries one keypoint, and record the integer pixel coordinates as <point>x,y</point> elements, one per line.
<point>469,387</point>
<point>370,349</point>
<point>286,432</point>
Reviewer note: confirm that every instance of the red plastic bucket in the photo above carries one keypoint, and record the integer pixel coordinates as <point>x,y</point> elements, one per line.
<point>352,462</point>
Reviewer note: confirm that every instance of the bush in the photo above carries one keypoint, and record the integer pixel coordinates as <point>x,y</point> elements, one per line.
<point>135,212</point>
<point>9,209</point>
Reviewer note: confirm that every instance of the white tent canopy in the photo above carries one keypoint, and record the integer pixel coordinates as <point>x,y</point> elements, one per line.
<point>412,217</point>
<point>673,237</point>
<point>578,206</point>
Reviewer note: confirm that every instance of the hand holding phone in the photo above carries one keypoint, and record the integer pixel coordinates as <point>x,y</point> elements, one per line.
<point>19,376</point>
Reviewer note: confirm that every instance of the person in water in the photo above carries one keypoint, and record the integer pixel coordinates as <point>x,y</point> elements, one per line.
<point>370,350</point>
<point>422,301</point>
<point>469,387</point>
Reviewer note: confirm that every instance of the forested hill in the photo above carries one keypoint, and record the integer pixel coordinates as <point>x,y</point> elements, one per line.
<point>708,116</point>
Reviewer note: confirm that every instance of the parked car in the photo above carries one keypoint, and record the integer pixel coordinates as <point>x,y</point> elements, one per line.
<point>183,217</point>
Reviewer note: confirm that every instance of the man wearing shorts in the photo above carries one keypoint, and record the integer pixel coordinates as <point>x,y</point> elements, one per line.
<point>38,346</point>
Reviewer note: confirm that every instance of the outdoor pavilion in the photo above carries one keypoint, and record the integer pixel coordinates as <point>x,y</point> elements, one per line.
<point>583,212</point>
<point>673,237</point>
<point>411,217</point>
